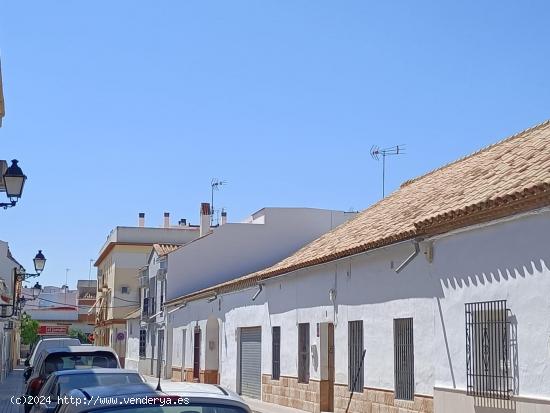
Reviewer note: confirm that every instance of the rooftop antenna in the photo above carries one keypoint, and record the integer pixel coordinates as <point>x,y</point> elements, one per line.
<point>66,282</point>
<point>215,185</point>
<point>90,272</point>
<point>376,152</point>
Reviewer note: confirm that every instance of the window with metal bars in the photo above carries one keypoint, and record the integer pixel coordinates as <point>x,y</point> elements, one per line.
<point>488,370</point>
<point>276,353</point>
<point>355,356</point>
<point>303,353</point>
<point>403,358</point>
<point>142,342</point>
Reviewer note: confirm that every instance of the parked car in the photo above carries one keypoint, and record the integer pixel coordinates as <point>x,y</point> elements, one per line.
<point>143,398</point>
<point>67,358</point>
<point>61,382</point>
<point>44,344</point>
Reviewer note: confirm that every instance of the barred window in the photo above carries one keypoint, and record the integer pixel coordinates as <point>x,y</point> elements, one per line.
<point>355,356</point>
<point>303,353</point>
<point>487,351</point>
<point>142,342</point>
<point>276,353</point>
<point>403,358</point>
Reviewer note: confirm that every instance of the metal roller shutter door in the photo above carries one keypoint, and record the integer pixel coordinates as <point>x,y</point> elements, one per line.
<point>251,362</point>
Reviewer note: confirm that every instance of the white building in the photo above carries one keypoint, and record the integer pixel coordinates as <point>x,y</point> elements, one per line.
<point>444,286</point>
<point>57,307</point>
<point>124,252</point>
<point>9,337</point>
<point>233,249</point>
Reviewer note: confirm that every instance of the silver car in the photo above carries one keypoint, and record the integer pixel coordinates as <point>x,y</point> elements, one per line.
<point>66,358</point>
<point>61,382</point>
<point>143,398</point>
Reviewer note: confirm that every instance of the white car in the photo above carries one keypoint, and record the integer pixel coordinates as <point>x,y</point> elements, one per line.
<point>44,344</point>
<point>49,343</point>
<point>143,398</point>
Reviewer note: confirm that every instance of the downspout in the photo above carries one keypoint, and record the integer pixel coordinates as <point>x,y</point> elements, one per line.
<point>410,257</point>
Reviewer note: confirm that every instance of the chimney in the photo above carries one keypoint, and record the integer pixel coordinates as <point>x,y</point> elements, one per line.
<point>167,220</point>
<point>205,218</point>
<point>182,222</point>
<point>141,219</point>
<point>224,218</point>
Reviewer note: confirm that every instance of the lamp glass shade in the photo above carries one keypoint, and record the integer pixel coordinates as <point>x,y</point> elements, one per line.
<point>39,262</point>
<point>36,290</point>
<point>14,180</point>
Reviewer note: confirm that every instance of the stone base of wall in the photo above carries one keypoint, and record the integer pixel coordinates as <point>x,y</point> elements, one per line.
<point>209,376</point>
<point>378,401</point>
<point>288,392</point>
<point>206,376</point>
<point>177,374</point>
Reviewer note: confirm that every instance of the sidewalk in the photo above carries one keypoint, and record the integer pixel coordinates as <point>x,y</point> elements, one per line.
<point>12,386</point>
<point>257,406</point>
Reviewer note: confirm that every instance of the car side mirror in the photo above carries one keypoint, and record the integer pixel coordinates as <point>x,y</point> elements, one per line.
<point>27,363</point>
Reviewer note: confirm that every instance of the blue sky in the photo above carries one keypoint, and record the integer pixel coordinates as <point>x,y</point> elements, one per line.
<point>119,107</point>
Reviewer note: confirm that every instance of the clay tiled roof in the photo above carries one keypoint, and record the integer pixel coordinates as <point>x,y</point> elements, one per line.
<point>163,249</point>
<point>510,176</point>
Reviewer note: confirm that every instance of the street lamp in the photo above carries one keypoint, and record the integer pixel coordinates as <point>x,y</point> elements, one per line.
<point>19,276</point>
<point>39,262</point>
<point>13,181</point>
<point>36,290</point>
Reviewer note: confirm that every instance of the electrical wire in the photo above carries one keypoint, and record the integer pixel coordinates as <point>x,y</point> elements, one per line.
<point>77,306</point>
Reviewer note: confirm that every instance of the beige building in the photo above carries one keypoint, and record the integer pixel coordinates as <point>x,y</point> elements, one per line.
<point>125,251</point>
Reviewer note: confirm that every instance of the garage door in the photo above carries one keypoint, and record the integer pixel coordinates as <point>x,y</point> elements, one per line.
<point>251,362</point>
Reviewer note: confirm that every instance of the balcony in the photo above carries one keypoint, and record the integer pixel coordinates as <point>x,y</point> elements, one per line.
<point>145,309</point>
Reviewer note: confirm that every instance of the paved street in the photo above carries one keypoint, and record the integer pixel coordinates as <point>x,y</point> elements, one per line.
<point>257,406</point>
<point>12,386</point>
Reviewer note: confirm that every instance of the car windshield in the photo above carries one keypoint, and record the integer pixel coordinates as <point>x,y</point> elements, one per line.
<point>189,408</point>
<point>71,361</point>
<point>66,383</point>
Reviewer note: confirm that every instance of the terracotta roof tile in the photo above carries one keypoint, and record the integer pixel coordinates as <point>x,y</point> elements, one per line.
<point>163,249</point>
<point>498,179</point>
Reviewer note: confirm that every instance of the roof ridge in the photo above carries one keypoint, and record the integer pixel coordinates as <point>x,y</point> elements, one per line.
<point>486,148</point>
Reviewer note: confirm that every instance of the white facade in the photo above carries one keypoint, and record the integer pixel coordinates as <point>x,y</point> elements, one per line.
<point>232,250</point>
<point>504,260</point>
<point>236,249</point>
<point>8,327</point>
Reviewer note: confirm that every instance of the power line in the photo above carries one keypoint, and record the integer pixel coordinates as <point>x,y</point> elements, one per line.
<point>78,306</point>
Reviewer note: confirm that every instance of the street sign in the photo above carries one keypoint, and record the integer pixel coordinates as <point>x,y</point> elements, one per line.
<point>52,330</point>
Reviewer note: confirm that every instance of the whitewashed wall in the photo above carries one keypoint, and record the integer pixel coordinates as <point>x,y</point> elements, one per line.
<point>505,260</point>
<point>213,259</point>
<point>132,344</point>
<point>371,291</point>
<point>509,260</point>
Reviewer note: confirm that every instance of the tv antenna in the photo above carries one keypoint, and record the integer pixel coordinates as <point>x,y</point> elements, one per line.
<point>215,185</point>
<point>376,152</point>
<point>90,271</point>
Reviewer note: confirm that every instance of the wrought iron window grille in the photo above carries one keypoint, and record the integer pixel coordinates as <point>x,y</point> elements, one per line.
<point>488,361</point>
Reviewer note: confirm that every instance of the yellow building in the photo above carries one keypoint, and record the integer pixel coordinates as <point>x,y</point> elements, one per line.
<point>120,258</point>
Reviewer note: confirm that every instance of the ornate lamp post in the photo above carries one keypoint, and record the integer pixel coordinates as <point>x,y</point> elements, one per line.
<point>18,303</point>
<point>13,181</point>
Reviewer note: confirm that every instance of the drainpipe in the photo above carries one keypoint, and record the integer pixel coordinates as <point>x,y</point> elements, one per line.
<point>410,257</point>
